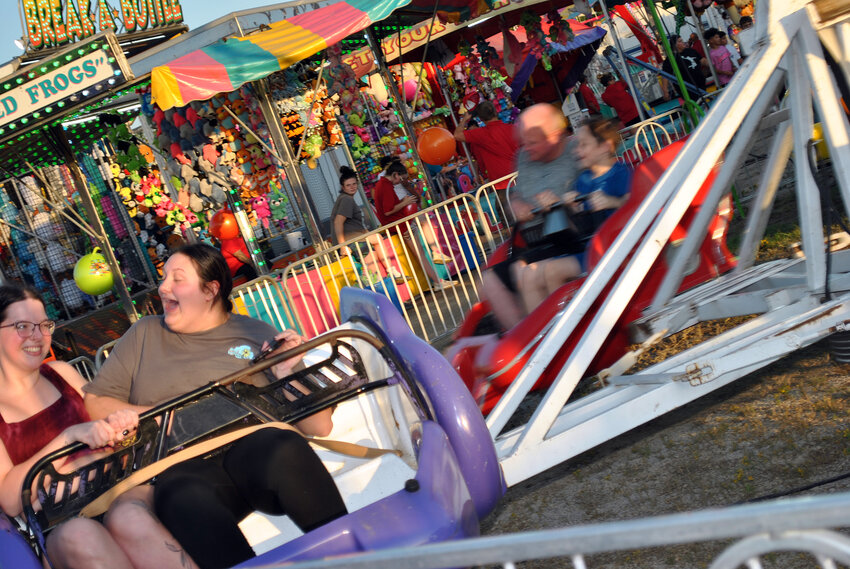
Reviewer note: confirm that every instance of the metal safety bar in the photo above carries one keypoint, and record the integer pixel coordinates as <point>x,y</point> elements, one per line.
<point>760,531</point>
<point>428,264</point>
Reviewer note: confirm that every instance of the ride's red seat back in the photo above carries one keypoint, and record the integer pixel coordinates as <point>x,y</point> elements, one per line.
<point>644,177</point>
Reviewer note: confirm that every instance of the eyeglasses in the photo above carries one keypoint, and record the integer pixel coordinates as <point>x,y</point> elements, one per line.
<point>25,329</point>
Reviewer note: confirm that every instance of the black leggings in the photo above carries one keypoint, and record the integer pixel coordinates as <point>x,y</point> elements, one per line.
<point>201,501</point>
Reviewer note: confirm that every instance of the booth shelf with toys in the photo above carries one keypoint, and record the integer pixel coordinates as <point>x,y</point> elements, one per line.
<point>57,202</point>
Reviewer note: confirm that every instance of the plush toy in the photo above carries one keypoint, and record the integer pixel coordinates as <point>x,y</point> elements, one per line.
<point>560,31</point>
<point>537,41</point>
<point>313,149</point>
<point>355,120</point>
<point>362,133</point>
<point>278,206</point>
<point>359,148</point>
<point>260,206</point>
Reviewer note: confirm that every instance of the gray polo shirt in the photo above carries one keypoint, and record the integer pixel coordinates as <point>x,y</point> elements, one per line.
<point>558,175</point>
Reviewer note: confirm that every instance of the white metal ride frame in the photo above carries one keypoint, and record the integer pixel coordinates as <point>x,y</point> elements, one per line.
<point>787,295</point>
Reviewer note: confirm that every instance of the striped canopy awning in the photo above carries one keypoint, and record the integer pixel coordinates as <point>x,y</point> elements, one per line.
<point>232,62</point>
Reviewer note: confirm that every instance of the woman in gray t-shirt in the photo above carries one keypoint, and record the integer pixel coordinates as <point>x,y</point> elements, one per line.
<point>347,223</point>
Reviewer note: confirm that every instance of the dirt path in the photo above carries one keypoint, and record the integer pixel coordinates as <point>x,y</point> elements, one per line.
<point>781,428</point>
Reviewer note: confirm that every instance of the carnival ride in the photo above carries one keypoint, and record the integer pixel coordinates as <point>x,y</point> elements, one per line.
<point>626,298</point>
<point>489,363</point>
<point>802,61</point>
<point>409,452</point>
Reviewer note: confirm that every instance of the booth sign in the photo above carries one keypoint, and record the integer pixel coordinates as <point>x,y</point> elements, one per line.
<point>53,23</point>
<point>362,61</point>
<point>54,86</point>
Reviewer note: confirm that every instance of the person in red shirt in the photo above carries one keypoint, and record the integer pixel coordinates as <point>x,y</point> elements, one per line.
<point>588,96</point>
<point>617,96</point>
<point>238,258</point>
<point>395,198</point>
<point>494,144</point>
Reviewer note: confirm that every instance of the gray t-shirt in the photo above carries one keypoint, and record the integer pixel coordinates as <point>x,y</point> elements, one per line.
<point>353,225</point>
<point>151,364</point>
<point>558,175</point>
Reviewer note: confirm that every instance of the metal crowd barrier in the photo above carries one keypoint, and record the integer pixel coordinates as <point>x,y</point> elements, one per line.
<point>400,261</point>
<point>85,366</point>
<point>495,205</point>
<point>770,531</point>
<point>264,300</point>
<point>643,139</point>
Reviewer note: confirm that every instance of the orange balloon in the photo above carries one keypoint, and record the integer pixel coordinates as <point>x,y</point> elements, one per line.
<point>436,145</point>
<point>223,225</point>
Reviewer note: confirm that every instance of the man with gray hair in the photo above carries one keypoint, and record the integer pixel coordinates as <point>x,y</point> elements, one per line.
<point>546,170</point>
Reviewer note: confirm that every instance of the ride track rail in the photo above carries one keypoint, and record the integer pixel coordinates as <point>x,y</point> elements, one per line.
<point>332,380</point>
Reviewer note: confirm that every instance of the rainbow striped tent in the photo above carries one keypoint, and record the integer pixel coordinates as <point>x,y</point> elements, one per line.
<point>232,62</point>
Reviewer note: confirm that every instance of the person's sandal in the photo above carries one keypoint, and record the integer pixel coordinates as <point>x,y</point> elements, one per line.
<point>439,258</point>
<point>397,276</point>
<point>443,285</point>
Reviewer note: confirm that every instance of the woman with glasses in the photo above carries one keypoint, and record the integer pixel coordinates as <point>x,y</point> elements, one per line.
<point>41,404</point>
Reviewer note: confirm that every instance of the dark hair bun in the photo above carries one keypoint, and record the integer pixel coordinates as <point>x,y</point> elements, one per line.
<point>347,171</point>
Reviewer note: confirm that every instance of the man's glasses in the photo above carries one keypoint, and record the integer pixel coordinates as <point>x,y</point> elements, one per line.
<point>25,329</point>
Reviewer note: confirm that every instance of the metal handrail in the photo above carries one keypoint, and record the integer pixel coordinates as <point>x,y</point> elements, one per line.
<point>102,353</point>
<point>85,366</point>
<point>796,525</point>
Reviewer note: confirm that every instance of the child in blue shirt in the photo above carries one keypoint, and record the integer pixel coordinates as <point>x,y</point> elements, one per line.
<point>602,187</point>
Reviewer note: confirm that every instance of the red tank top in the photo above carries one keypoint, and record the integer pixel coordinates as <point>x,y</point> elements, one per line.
<point>25,438</point>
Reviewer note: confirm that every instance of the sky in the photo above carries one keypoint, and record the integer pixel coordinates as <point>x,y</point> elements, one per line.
<point>195,14</point>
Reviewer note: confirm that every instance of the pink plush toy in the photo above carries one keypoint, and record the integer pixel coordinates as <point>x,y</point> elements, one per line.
<point>260,205</point>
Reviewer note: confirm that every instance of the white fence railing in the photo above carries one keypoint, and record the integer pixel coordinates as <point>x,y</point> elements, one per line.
<point>643,139</point>
<point>765,530</point>
<point>428,264</point>
<point>494,203</point>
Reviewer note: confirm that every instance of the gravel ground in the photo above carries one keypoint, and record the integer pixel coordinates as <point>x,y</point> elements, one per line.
<point>782,428</point>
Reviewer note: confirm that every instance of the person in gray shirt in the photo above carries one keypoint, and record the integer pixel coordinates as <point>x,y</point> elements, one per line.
<point>546,170</point>
<point>189,517</point>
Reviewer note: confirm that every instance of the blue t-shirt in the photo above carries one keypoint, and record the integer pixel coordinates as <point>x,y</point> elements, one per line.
<point>616,182</point>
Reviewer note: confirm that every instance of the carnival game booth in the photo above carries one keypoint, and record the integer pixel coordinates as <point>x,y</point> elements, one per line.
<point>58,201</point>
<point>316,102</point>
<point>287,111</point>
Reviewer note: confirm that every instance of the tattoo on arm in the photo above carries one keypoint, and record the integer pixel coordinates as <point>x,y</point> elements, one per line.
<point>184,559</point>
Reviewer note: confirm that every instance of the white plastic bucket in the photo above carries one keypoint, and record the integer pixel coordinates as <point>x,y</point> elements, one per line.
<point>294,240</point>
